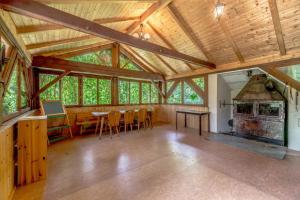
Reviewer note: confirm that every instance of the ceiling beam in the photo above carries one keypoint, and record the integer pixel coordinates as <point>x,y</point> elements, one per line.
<point>94,1</point>
<point>144,60</point>
<point>60,64</point>
<point>277,26</point>
<point>154,8</point>
<point>187,29</point>
<point>267,61</point>
<point>58,42</point>
<point>282,77</point>
<point>50,27</point>
<point>167,42</point>
<point>166,64</point>
<point>43,12</point>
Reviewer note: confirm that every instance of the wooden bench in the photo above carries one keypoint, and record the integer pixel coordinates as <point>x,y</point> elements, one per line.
<point>86,119</point>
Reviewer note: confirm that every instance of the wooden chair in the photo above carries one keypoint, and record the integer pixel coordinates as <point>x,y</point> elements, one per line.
<point>128,119</point>
<point>114,121</point>
<point>142,118</point>
<point>84,120</point>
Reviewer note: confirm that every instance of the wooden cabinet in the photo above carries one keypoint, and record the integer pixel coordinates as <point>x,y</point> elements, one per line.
<point>32,149</point>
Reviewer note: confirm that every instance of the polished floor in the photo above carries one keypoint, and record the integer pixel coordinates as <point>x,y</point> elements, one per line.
<point>160,164</point>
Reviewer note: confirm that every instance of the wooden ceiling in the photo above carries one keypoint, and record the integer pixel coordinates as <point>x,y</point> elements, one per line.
<point>249,30</point>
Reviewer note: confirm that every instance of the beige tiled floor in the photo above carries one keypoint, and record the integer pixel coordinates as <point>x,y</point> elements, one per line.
<point>162,164</point>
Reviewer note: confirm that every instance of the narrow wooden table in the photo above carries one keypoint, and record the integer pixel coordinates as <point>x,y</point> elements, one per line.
<point>192,112</point>
<point>101,117</point>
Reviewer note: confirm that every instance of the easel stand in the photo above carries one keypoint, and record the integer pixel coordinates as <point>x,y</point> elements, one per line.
<point>58,120</point>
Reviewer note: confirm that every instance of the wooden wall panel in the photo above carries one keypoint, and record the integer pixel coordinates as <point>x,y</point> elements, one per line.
<point>168,115</point>
<point>7,187</point>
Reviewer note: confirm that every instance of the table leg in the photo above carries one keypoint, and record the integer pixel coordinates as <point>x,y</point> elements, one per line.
<point>200,124</point>
<point>208,126</point>
<point>184,120</point>
<point>176,120</point>
<point>97,125</point>
<point>101,127</point>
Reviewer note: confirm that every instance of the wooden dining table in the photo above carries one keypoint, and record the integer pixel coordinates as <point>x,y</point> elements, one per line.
<point>102,115</point>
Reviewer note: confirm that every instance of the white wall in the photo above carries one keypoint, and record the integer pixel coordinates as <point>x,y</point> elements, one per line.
<point>213,101</point>
<point>294,124</point>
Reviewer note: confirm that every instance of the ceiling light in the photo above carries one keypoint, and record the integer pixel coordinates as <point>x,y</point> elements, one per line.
<point>141,34</point>
<point>219,9</point>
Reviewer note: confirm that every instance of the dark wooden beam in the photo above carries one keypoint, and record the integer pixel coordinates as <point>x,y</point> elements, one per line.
<point>171,90</point>
<point>282,77</point>
<point>277,26</point>
<point>60,64</point>
<point>50,27</point>
<point>43,12</point>
<point>51,83</point>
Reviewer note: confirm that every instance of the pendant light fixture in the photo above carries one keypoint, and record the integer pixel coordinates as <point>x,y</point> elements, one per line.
<point>141,34</point>
<point>219,9</point>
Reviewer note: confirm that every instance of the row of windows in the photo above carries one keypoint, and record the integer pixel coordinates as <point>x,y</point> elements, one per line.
<point>96,91</point>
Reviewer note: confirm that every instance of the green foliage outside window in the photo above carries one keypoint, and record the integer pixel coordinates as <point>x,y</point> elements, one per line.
<point>52,93</point>
<point>126,63</point>
<point>89,91</point>
<point>145,93</point>
<point>70,90</point>
<point>123,92</point>
<point>134,92</point>
<point>104,91</point>
<point>24,98</point>
<point>154,94</point>
<point>169,85</point>
<point>190,96</point>
<point>99,58</point>
<point>175,98</point>
<point>11,95</point>
<point>200,82</point>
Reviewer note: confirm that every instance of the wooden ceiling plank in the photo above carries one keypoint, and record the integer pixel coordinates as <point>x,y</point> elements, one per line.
<point>58,42</point>
<point>154,8</point>
<point>187,29</point>
<point>60,64</point>
<point>94,1</point>
<point>282,77</point>
<point>50,27</point>
<point>166,64</point>
<point>167,42</point>
<point>267,61</point>
<point>43,12</point>
<point>277,26</point>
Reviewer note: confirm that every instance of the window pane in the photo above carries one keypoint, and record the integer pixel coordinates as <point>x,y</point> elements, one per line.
<point>145,93</point>
<point>134,92</point>
<point>154,94</point>
<point>11,94</point>
<point>293,71</point>
<point>51,93</point>
<point>104,91</point>
<point>89,91</point>
<point>70,90</point>
<point>169,85</point>
<point>23,92</point>
<point>176,95</point>
<point>123,92</point>
<point>98,58</point>
<point>190,96</point>
<point>126,63</point>
<point>200,82</point>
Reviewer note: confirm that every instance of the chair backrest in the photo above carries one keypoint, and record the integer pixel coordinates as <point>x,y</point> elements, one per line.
<point>114,118</point>
<point>129,117</point>
<point>142,114</point>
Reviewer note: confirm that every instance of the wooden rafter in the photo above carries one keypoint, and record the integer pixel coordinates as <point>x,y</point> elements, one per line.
<point>58,42</point>
<point>154,8</point>
<point>277,26</point>
<point>134,59</point>
<point>166,64</point>
<point>282,77</point>
<point>187,29</point>
<point>167,42</point>
<point>95,1</point>
<point>228,35</point>
<point>158,89</point>
<point>267,61</point>
<point>60,64</point>
<point>144,60</point>
<point>171,90</point>
<point>51,83</point>
<point>43,12</point>
<point>50,27</point>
